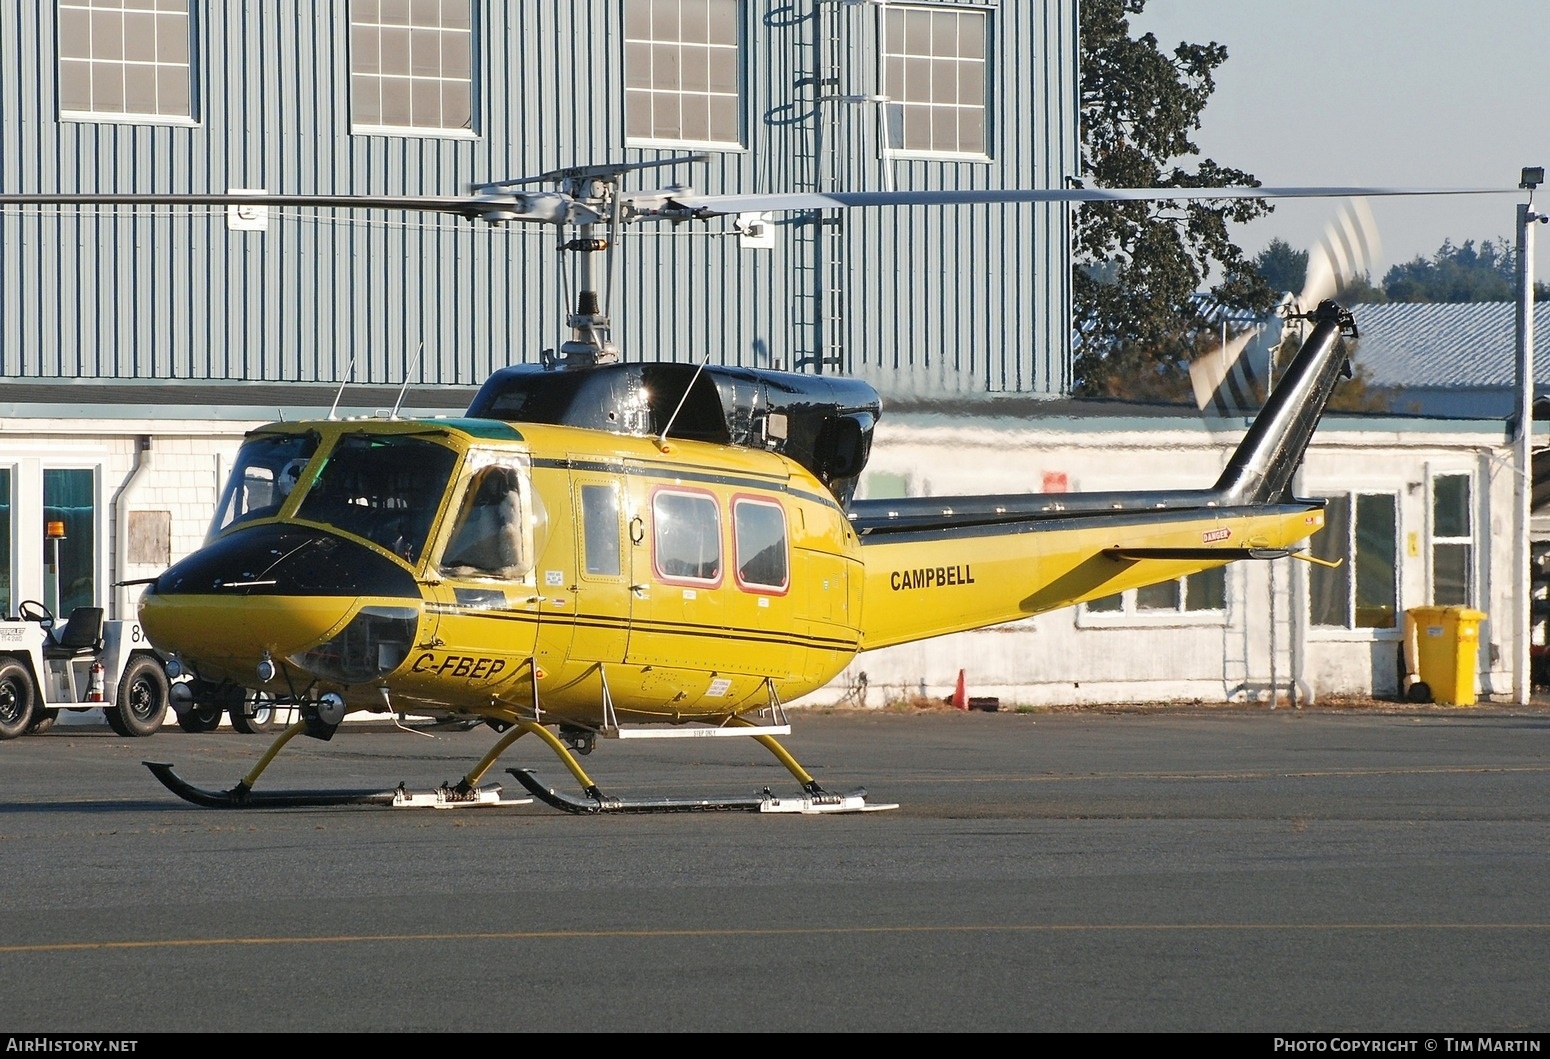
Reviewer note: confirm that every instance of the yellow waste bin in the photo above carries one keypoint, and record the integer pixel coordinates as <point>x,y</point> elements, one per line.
<point>1442,654</point>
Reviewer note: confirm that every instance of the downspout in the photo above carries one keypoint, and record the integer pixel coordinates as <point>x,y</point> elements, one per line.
<point>121,500</point>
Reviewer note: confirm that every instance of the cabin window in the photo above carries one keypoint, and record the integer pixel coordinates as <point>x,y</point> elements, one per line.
<point>759,542</point>
<point>934,76</point>
<point>687,536</point>
<point>1452,541</point>
<point>70,561</point>
<point>125,61</point>
<point>1199,593</point>
<point>491,537</point>
<point>411,66</point>
<point>683,72</point>
<point>267,470</point>
<point>1360,533</point>
<point>600,530</point>
<point>384,488</point>
<point>7,534</point>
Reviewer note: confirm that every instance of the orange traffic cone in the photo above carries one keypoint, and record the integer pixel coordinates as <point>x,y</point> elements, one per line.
<point>960,696</point>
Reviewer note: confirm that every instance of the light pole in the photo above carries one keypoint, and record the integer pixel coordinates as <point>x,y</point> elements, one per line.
<point>1523,675</point>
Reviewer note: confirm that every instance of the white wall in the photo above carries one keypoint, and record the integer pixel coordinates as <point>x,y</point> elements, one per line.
<point>1263,636</point>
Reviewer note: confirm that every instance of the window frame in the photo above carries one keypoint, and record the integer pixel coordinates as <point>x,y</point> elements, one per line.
<point>379,128</point>
<point>686,580</point>
<point>757,587</point>
<point>1435,540</point>
<point>1349,572</point>
<point>8,566</point>
<point>1129,614</point>
<point>125,117</point>
<point>652,90</point>
<point>97,547</point>
<point>893,106</point>
<point>584,538</point>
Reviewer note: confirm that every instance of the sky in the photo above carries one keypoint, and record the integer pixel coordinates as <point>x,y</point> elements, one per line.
<point>1408,93</point>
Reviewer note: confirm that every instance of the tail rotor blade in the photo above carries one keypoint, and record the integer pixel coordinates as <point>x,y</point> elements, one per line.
<point>1225,381</point>
<point>1349,247</point>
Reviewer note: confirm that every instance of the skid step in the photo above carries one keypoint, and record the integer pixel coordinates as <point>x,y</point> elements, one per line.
<point>449,797</point>
<point>691,731</point>
<point>853,802</point>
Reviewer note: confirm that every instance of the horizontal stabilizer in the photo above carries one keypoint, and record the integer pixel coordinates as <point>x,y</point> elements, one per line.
<point>1197,554</point>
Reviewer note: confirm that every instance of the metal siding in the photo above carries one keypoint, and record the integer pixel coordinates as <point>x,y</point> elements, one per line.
<point>932,301</point>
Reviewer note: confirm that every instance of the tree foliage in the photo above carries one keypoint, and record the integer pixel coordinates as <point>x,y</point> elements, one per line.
<point>1464,273</point>
<point>1139,264</point>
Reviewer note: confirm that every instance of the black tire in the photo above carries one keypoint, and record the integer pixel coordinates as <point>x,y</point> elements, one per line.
<point>42,720</point>
<point>143,694</point>
<point>200,717</point>
<point>18,698</point>
<point>254,715</point>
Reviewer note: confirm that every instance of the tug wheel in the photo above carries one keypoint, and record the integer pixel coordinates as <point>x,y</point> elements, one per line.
<point>42,720</point>
<point>18,696</point>
<point>143,694</point>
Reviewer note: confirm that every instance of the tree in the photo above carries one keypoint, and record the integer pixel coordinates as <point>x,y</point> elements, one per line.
<point>1283,268</point>
<point>1286,271</point>
<point>1139,264</point>
<point>1460,274</point>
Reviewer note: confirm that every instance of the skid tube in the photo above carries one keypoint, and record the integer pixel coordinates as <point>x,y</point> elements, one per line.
<point>813,799</point>
<point>243,796</point>
<point>469,792</point>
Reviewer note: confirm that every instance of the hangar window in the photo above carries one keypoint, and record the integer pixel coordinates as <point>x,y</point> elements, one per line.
<point>1202,594</point>
<point>70,538</point>
<point>683,72</point>
<point>935,75</point>
<point>126,60</point>
<point>1360,533</point>
<point>411,66</point>
<point>6,536</point>
<point>1452,541</point>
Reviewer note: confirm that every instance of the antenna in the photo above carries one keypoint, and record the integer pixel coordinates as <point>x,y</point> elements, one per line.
<point>662,439</point>
<point>349,373</point>
<point>407,375</point>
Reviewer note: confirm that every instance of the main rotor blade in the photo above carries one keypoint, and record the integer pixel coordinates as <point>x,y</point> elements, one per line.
<point>715,205</point>
<point>543,207</point>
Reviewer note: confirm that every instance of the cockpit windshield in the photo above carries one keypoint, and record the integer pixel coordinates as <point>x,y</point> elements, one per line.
<point>383,487</point>
<point>267,469</point>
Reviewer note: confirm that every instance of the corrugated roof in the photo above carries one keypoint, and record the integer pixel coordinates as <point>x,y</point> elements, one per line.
<point>1470,345</point>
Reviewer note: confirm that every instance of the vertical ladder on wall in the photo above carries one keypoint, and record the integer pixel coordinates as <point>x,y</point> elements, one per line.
<point>1258,656</point>
<point>1235,636</point>
<point>819,247</point>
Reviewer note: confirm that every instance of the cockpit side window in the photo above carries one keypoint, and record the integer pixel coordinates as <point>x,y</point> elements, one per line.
<point>493,534</point>
<point>267,470</point>
<point>385,488</point>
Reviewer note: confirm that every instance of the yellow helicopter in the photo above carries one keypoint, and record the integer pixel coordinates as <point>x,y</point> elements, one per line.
<point>611,548</point>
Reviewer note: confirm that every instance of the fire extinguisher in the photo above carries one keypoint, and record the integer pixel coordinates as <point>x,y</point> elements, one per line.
<point>96,690</point>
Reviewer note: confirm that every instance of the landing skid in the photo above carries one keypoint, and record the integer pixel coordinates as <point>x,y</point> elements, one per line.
<point>244,797</point>
<point>469,793</point>
<point>813,802</point>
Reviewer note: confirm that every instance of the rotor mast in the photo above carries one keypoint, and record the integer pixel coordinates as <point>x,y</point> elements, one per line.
<point>588,197</point>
